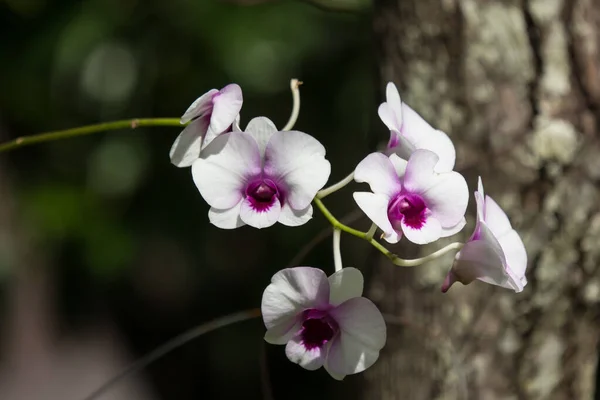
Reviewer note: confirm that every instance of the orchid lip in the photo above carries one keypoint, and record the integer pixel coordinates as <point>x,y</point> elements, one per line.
<point>262,193</point>
<point>408,207</point>
<point>318,329</point>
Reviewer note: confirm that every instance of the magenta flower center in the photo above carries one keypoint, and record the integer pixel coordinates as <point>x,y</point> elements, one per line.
<point>316,332</point>
<point>408,207</point>
<point>262,193</point>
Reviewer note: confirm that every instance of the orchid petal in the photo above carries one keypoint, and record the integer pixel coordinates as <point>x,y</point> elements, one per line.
<point>378,171</point>
<point>399,165</point>
<point>200,106</point>
<point>375,207</point>
<point>345,284</point>
<point>226,219</point>
<point>516,257</point>
<point>496,218</point>
<point>261,128</point>
<point>291,217</point>
<point>299,161</point>
<point>292,290</point>
<point>362,335</point>
<point>260,217</point>
<point>221,172</point>
<point>186,148</point>
<point>227,105</point>
<point>428,232</point>
<point>453,230</point>
<point>297,353</point>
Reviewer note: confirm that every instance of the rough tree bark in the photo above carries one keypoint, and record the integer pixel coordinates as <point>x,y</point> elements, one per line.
<point>516,84</point>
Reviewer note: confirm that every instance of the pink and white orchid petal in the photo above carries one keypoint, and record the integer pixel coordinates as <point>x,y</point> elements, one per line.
<point>260,217</point>
<point>345,284</point>
<point>311,359</point>
<point>424,136</point>
<point>496,218</point>
<point>292,290</point>
<point>378,171</point>
<point>299,161</point>
<point>375,207</point>
<point>200,106</point>
<point>221,172</point>
<point>429,232</point>
<point>291,217</point>
<point>186,148</point>
<point>388,117</point>
<point>516,257</point>
<point>226,219</point>
<point>261,128</point>
<point>454,229</point>
<point>362,335</point>
<point>284,331</point>
<point>226,106</point>
<point>420,175</point>
<point>404,147</point>
<point>337,377</point>
<point>399,165</point>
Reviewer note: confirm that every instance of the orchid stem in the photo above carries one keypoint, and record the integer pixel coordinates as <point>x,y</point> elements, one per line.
<point>337,253</point>
<point>295,87</point>
<point>321,194</point>
<point>86,130</point>
<point>371,231</point>
<point>173,344</point>
<point>337,225</point>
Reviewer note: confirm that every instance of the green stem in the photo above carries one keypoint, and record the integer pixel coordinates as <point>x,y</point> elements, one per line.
<point>367,236</point>
<point>87,130</point>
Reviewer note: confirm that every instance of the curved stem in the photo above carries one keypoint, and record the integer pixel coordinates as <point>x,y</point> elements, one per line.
<point>391,256</point>
<point>337,253</point>
<point>87,130</point>
<point>321,194</point>
<point>295,86</point>
<point>173,344</point>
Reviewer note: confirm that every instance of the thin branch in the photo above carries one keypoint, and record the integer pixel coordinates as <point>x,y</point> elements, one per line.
<point>295,87</point>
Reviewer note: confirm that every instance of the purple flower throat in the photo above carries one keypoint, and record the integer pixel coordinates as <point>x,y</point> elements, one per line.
<point>262,194</point>
<point>317,329</point>
<point>408,207</point>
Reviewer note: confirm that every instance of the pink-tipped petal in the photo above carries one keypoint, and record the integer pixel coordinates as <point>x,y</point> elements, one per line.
<point>186,148</point>
<point>299,161</point>
<point>291,217</point>
<point>375,207</point>
<point>260,217</point>
<point>362,335</point>
<point>292,290</point>
<point>297,353</point>
<point>227,105</point>
<point>200,106</point>
<point>223,168</point>
<point>428,232</point>
<point>226,219</point>
<point>345,284</point>
<point>261,128</point>
<point>377,170</point>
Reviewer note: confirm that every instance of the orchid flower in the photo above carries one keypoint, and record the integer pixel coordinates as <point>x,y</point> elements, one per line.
<point>213,113</point>
<point>409,131</point>
<point>494,254</point>
<point>261,176</point>
<point>323,321</point>
<point>410,198</point>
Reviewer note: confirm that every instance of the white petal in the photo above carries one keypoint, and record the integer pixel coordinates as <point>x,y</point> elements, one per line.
<point>496,218</point>
<point>420,176</point>
<point>186,148</point>
<point>299,161</point>
<point>199,107</point>
<point>392,98</point>
<point>226,219</point>
<point>399,165</point>
<point>404,148</point>
<point>454,229</point>
<point>227,105</point>
<point>293,290</point>
<point>429,232</point>
<point>291,217</point>
<point>388,117</point>
<point>362,335</point>
<point>284,331</point>
<point>260,218</point>
<point>516,258</point>
<point>424,136</point>
<point>345,284</point>
<point>308,359</point>
<point>375,207</point>
<point>378,171</point>
<point>337,377</point>
<point>261,128</point>
<point>223,168</point>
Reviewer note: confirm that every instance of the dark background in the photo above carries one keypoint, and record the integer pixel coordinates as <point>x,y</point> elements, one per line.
<point>105,248</point>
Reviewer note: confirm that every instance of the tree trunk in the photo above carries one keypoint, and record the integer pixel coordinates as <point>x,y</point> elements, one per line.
<point>516,85</point>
